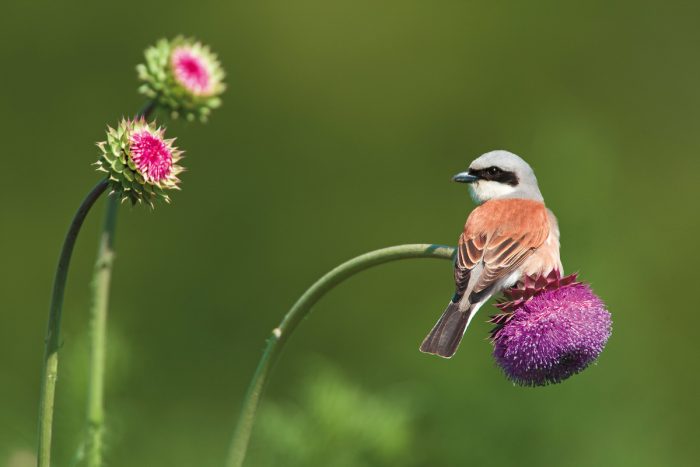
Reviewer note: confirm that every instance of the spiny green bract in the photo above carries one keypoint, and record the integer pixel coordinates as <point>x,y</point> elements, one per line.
<point>130,174</point>
<point>162,83</point>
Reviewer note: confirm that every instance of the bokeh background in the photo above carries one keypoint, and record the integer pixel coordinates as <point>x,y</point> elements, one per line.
<point>340,130</point>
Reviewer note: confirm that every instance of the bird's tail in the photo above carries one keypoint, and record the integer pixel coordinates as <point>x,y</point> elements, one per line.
<point>447,333</point>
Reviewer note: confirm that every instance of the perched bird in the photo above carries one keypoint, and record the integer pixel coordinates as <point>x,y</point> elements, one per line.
<point>510,234</point>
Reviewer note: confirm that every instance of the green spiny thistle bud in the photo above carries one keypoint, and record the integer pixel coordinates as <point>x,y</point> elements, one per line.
<point>183,76</point>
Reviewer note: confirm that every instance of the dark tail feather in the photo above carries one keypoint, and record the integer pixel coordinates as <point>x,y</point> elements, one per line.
<point>447,333</point>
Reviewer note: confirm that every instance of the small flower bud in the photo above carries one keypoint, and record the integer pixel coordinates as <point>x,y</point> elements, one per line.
<point>183,76</point>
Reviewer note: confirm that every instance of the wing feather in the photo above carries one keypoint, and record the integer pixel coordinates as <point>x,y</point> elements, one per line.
<point>500,235</point>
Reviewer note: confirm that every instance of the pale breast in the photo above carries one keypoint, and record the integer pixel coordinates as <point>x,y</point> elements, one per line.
<point>545,258</point>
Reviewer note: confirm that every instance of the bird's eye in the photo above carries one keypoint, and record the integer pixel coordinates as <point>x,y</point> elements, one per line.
<point>494,170</point>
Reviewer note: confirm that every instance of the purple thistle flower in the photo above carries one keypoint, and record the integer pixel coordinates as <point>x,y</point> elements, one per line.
<point>552,336</point>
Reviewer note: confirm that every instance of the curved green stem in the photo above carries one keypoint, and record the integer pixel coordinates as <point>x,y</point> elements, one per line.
<point>298,312</point>
<point>50,370</point>
<point>98,328</point>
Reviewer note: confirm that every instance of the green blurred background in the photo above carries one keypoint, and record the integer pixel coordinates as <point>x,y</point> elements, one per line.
<point>340,130</point>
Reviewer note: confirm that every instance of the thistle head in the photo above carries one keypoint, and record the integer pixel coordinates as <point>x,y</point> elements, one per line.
<point>551,336</point>
<point>140,163</point>
<point>183,76</point>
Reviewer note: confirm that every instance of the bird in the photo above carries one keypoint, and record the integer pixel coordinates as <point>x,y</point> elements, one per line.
<point>511,234</point>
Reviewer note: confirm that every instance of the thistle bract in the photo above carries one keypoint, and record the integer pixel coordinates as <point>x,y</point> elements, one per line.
<point>552,335</point>
<point>183,76</point>
<point>141,164</point>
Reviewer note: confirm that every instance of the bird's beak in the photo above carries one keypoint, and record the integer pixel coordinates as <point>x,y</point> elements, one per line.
<point>465,177</point>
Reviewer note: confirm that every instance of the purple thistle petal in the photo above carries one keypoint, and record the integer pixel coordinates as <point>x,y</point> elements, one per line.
<point>552,336</point>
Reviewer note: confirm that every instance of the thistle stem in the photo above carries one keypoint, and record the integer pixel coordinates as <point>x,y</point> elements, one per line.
<point>147,109</point>
<point>52,342</point>
<point>302,307</point>
<point>101,281</point>
<point>98,334</point>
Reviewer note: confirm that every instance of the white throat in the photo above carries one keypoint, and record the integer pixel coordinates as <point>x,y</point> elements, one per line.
<point>485,190</point>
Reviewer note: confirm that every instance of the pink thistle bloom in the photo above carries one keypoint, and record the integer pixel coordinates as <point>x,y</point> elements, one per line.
<point>140,163</point>
<point>192,70</point>
<point>152,156</point>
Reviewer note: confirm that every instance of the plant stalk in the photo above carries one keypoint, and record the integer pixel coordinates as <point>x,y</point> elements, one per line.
<point>302,307</point>
<point>101,281</point>
<point>52,341</point>
<point>98,334</point>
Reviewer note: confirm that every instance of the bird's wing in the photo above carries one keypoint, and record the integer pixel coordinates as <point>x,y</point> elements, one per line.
<point>469,252</point>
<point>499,235</point>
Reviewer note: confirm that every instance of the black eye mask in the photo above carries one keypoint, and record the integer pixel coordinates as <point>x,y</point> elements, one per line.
<point>495,174</point>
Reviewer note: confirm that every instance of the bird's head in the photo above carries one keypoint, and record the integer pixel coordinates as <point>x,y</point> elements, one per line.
<point>500,174</point>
